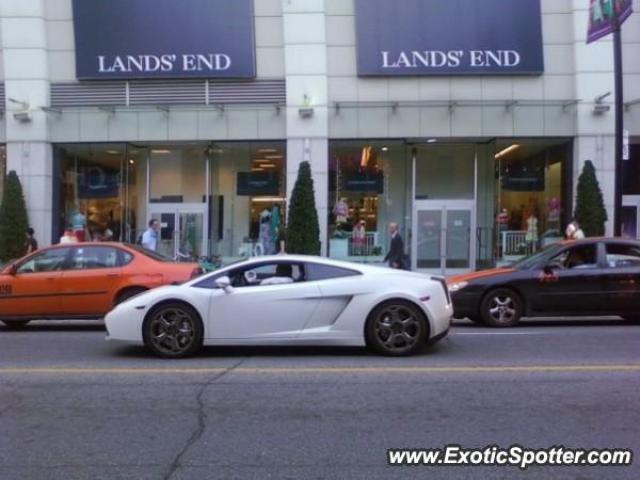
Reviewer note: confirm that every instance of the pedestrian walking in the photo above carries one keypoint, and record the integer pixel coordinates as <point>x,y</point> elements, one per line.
<point>396,256</point>
<point>31,244</point>
<point>150,236</point>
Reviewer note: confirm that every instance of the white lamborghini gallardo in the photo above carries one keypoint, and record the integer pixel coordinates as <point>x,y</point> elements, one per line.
<point>288,300</point>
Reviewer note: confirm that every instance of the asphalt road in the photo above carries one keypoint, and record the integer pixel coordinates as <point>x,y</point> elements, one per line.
<point>73,406</point>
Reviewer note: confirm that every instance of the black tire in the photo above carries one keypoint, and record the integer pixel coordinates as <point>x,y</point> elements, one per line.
<point>15,324</point>
<point>501,307</point>
<point>396,328</point>
<point>173,330</point>
<point>128,293</point>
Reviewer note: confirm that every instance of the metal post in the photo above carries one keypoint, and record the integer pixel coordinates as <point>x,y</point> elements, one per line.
<point>619,106</point>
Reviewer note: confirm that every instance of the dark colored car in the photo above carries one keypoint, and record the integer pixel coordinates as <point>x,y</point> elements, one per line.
<point>595,276</point>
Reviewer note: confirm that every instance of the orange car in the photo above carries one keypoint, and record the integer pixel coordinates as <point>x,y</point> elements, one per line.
<point>82,280</point>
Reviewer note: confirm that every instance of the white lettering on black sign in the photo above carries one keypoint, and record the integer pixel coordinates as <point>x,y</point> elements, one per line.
<point>451,59</point>
<point>210,62</point>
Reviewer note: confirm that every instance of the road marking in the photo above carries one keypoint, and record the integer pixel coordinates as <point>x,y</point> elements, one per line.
<point>328,370</point>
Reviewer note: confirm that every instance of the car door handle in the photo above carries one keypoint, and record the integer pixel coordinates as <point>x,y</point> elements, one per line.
<point>113,275</point>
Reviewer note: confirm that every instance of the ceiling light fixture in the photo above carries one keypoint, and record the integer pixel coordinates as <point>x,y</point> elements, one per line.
<point>161,151</point>
<point>268,150</point>
<point>432,140</point>
<point>112,152</point>
<point>507,151</point>
<point>385,149</point>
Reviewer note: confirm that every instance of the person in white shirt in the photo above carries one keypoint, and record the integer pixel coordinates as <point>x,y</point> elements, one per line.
<point>573,231</point>
<point>282,276</point>
<point>150,236</point>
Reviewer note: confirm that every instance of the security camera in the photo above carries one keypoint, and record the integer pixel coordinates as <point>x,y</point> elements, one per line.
<point>23,116</point>
<point>600,109</point>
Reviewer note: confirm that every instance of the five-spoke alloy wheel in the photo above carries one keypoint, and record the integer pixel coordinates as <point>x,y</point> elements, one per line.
<point>173,331</point>
<point>396,328</point>
<point>501,308</point>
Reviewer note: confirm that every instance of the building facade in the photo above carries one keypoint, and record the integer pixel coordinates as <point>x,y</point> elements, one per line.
<point>473,151</point>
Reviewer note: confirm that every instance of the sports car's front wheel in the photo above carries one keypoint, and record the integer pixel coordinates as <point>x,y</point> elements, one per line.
<point>396,328</point>
<point>173,331</point>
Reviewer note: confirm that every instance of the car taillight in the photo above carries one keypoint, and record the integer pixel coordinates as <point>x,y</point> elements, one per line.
<point>443,282</point>
<point>196,272</point>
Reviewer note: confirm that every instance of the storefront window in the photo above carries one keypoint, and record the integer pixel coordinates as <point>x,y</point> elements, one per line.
<point>532,195</point>
<point>445,172</point>
<point>238,213</point>
<point>178,174</point>
<point>368,189</point>
<point>92,191</point>
<point>248,189</point>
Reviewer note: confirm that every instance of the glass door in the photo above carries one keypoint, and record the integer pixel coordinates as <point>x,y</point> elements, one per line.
<point>629,216</point>
<point>182,230</point>
<point>443,242</point>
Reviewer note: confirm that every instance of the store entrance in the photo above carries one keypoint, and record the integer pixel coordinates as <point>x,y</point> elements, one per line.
<point>443,242</point>
<point>630,216</point>
<point>183,229</point>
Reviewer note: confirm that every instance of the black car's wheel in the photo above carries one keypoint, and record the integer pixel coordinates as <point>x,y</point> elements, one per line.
<point>396,328</point>
<point>128,293</point>
<point>15,324</point>
<point>173,330</point>
<point>501,307</point>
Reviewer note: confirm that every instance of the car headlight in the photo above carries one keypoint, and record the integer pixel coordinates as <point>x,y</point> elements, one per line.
<point>456,287</point>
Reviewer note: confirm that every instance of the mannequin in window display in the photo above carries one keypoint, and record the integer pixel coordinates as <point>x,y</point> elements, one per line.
<point>359,237</point>
<point>503,220</point>
<point>341,211</point>
<point>274,227</point>
<point>531,236</point>
<point>553,217</point>
<point>264,237</point>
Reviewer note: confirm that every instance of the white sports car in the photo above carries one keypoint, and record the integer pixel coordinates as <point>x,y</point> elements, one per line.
<point>288,300</point>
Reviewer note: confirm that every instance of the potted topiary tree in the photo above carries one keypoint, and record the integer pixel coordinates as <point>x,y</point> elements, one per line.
<point>590,210</point>
<point>303,231</point>
<point>13,219</point>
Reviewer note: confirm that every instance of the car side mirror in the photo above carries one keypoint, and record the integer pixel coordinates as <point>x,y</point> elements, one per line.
<point>550,269</point>
<point>13,269</point>
<point>224,283</point>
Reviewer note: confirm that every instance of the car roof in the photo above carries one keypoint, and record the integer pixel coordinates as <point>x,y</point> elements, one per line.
<point>601,239</point>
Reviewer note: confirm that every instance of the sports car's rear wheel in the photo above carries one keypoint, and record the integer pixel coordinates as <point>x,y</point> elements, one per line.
<point>501,308</point>
<point>173,331</point>
<point>396,328</point>
<point>15,324</point>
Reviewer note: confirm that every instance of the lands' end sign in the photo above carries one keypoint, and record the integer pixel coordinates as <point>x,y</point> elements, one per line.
<point>449,37</point>
<point>129,39</point>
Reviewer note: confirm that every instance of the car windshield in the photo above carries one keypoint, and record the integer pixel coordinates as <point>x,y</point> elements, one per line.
<point>150,253</point>
<point>534,260</point>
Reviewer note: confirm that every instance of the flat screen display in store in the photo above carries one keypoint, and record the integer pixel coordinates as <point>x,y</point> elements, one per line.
<point>257,183</point>
<point>523,178</point>
<point>449,37</point>
<point>97,182</point>
<point>368,182</point>
<point>128,39</point>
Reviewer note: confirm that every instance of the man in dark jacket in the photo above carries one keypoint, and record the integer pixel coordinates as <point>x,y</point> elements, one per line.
<point>396,257</point>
